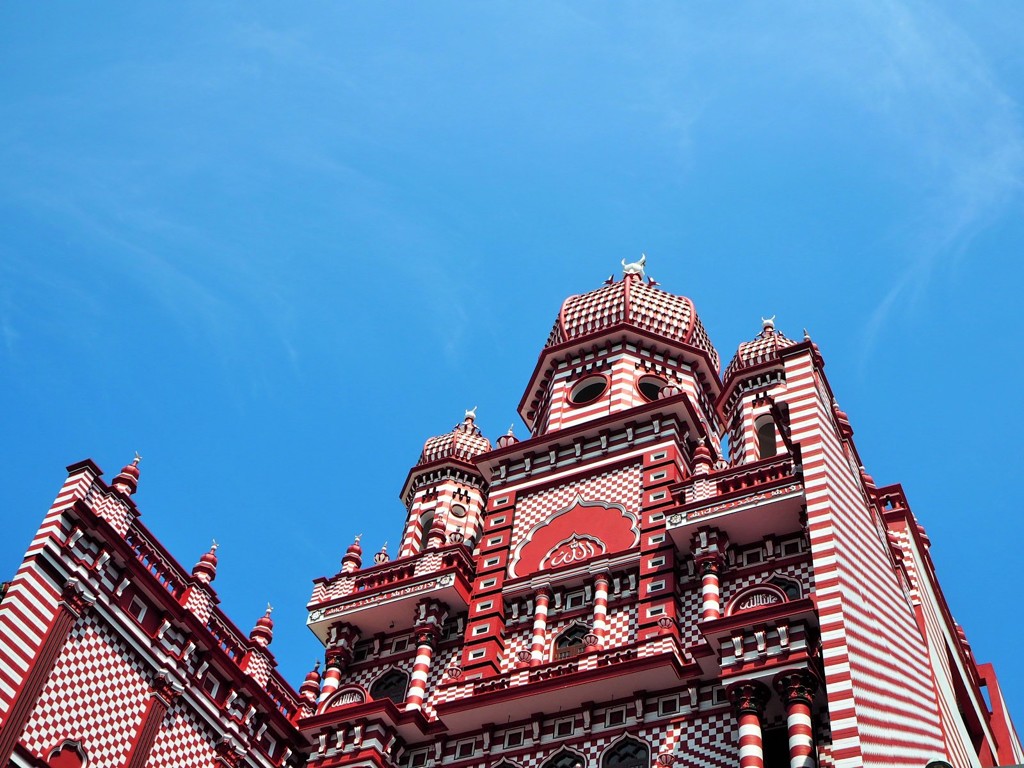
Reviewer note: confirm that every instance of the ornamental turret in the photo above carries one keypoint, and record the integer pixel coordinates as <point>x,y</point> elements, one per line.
<point>444,491</point>
<point>127,481</point>
<point>205,570</point>
<point>756,424</point>
<point>263,633</point>
<point>614,349</point>
<point>353,559</point>
<point>309,691</point>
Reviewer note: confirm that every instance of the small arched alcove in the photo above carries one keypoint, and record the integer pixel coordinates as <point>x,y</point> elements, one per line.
<point>628,752</point>
<point>390,685</point>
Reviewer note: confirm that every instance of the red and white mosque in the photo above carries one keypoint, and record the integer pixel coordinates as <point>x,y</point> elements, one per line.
<point>611,591</point>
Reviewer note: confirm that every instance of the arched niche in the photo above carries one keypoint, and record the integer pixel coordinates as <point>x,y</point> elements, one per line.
<point>756,596</point>
<point>627,752</point>
<point>390,685</point>
<point>69,754</point>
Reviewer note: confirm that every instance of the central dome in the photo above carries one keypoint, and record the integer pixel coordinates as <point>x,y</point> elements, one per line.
<point>631,301</point>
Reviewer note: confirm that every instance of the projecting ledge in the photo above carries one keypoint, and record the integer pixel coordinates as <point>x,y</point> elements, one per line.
<point>764,499</point>
<point>410,724</point>
<point>376,594</point>
<point>597,676</point>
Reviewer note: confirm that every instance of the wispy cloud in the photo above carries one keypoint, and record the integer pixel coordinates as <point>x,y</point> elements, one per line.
<point>932,83</point>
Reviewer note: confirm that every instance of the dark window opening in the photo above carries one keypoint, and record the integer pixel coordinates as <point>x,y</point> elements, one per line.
<point>628,753</point>
<point>775,742</point>
<point>565,759</point>
<point>390,685</point>
<point>790,587</point>
<point>570,643</point>
<point>588,391</point>
<point>766,447</point>
<point>650,387</point>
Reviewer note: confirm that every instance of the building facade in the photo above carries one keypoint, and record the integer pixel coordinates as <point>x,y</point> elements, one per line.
<point>616,589</point>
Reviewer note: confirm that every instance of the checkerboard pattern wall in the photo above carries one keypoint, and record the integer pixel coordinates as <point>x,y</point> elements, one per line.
<point>621,486</point>
<point>96,695</point>
<point>182,741</point>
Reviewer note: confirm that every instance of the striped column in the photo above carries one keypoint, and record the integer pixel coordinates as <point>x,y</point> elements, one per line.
<point>426,639</point>
<point>540,625</point>
<point>343,639</point>
<point>748,699</point>
<point>797,691</point>
<point>336,663</point>
<point>162,697</point>
<point>600,623</point>
<point>710,597</point>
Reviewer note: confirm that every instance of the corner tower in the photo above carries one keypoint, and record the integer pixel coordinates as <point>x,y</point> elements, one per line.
<point>615,348</point>
<point>612,591</point>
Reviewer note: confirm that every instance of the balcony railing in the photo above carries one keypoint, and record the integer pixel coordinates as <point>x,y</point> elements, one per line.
<point>167,574</point>
<point>736,480</point>
<point>379,578</point>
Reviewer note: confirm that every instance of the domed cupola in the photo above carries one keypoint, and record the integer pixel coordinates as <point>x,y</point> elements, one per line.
<point>763,348</point>
<point>636,302</point>
<point>464,442</point>
<point>444,490</point>
<point>614,348</point>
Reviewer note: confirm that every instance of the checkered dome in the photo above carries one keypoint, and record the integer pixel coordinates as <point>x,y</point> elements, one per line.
<point>762,348</point>
<point>636,303</point>
<point>464,442</point>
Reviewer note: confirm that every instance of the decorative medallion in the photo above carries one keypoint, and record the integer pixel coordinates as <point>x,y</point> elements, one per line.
<point>583,530</point>
<point>575,549</point>
<point>756,596</point>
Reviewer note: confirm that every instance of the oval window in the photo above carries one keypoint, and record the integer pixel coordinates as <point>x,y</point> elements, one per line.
<point>588,390</point>
<point>650,387</point>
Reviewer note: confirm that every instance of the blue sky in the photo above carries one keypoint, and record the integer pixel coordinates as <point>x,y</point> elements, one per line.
<point>274,248</point>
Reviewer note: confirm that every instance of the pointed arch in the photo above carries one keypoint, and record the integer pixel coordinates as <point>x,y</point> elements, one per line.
<point>390,684</point>
<point>569,642</point>
<point>565,758</point>
<point>787,584</point>
<point>627,752</point>
<point>764,429</point>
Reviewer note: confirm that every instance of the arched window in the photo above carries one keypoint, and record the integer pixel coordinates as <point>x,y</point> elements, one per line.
<point>565,759</point>
<point>570,642</point>
<point>790,586</point>
<point>650,387</point>
<point>391,685</point>
<point>628,753</point>
<point>426,521</point>
<point>68,755</point>
<point>766,444</point>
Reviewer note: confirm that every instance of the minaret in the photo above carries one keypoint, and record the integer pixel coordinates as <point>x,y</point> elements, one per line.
<point>444,491</point>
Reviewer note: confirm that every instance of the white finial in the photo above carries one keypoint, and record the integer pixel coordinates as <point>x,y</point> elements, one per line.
<point>136,460</point>
<point>768,322</point>
<point>512,430</point>
<point>635,268</point>
<point>807,336</point>
<point>359,536</point>
<point>471,414</point>
<point>214,546</point>
<point>270,609</point>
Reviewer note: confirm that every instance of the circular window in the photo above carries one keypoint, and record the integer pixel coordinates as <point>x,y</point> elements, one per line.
<point>458,510</point>
<point>650,387</point>
<point>588,390</point>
